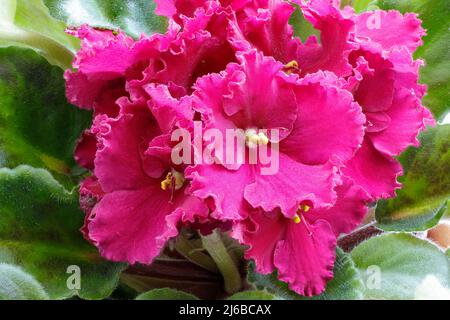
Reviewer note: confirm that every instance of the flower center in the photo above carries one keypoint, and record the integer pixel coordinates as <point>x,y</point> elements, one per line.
<point>254,138</point>
<point>304,208</point>
<point>174,181</point>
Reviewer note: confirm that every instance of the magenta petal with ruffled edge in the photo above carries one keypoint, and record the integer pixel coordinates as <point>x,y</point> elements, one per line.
<point>391,29</point>
<point>133,226</point>
<point>225,187</point>
<point>291,185</point>
<point>349,210</point>
<point>375,172</point>
<point>312,142</point>
<point>331,52</point>
<point>268,230</point>
<point>263,98</point>
<point>118,163</point>
<point>305,258</point>
<point>265,26</point>
<point>170,113</point>
<point>407,119</point>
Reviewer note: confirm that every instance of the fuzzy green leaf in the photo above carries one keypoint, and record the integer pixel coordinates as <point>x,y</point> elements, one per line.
<point>39,231</point>
<point>132,16</point>
<point>393,266</point>
<point>166,294</point>
<point>15,284</point>
<point>424,198</point>
<point>37,125</point>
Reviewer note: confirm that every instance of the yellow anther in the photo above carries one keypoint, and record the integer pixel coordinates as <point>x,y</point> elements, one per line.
<point>297,219</point>
<point>171,177</point>
<point>292,64</point>
<point>254,138</point>
<point>166,184</point>
<point>263,138</point>
<point>290,67</point>
<point>305,208</point>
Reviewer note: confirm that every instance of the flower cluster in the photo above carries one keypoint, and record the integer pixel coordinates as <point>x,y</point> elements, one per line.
<point>344,106</point>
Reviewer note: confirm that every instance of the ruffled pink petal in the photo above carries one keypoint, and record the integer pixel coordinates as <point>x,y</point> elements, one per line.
<point>104,54</point>
<point>265,26</point>
<point>176,8</point>
<point>169,112</point>
<point>208,101</point>
<point>158,157</point>
<point>262,234</point>
<point>105,60</point>
<point>332,52</point>
<point>90,194</point>
<point>133,226</point>
<point>376,88</point>
<point>312,142</point>
<point>349,210</point>
<point>293,184</point>
<point>262,98</point>
<point>201,48</point>
<point>375,172</point>
<point>118,163</point>
<point>224,187</point>
<point>407,71</point>
<point>407,119</point>
<point>391,29</point>
<point>80,91</point>
<point>305,258</point>
<point>86,149</point>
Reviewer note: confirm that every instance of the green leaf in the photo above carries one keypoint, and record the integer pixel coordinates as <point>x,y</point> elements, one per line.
<point>346,285</point>
<point>37,126</point>
<point>363,5</point>
<point>423,200</point>
<point>394,265</point>
<point>27,23</point>
<point>166,294</point>
<point>15,284</point>
<point>39,223</point>
<point>253,295</point>
<point>132,16</point>
<point>435,51</point>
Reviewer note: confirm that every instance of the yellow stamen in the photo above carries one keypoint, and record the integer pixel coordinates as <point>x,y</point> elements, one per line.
<point>305,208</point>
<point>263,138</point>
<point>292,64</point>
<point>173,176</point>
<point>254,138</point>
<point>297,219</point>
<point>290,67</point>
<point>167,183</point>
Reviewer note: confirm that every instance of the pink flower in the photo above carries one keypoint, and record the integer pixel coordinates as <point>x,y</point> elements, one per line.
<point>318,124</point>
<point>385,84</point>
<point>343,106</point>
<point>139,194</point>
<point>303,250</point>
<point>320,127</point>
<point>111,65</point>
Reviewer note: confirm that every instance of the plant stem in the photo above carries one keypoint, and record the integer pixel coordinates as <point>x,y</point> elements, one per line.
<point>187,250</point>
<point>52,50</point>
<point>230,272</point>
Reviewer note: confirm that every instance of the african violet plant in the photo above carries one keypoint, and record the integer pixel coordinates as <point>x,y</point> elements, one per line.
<point>120,114</point>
